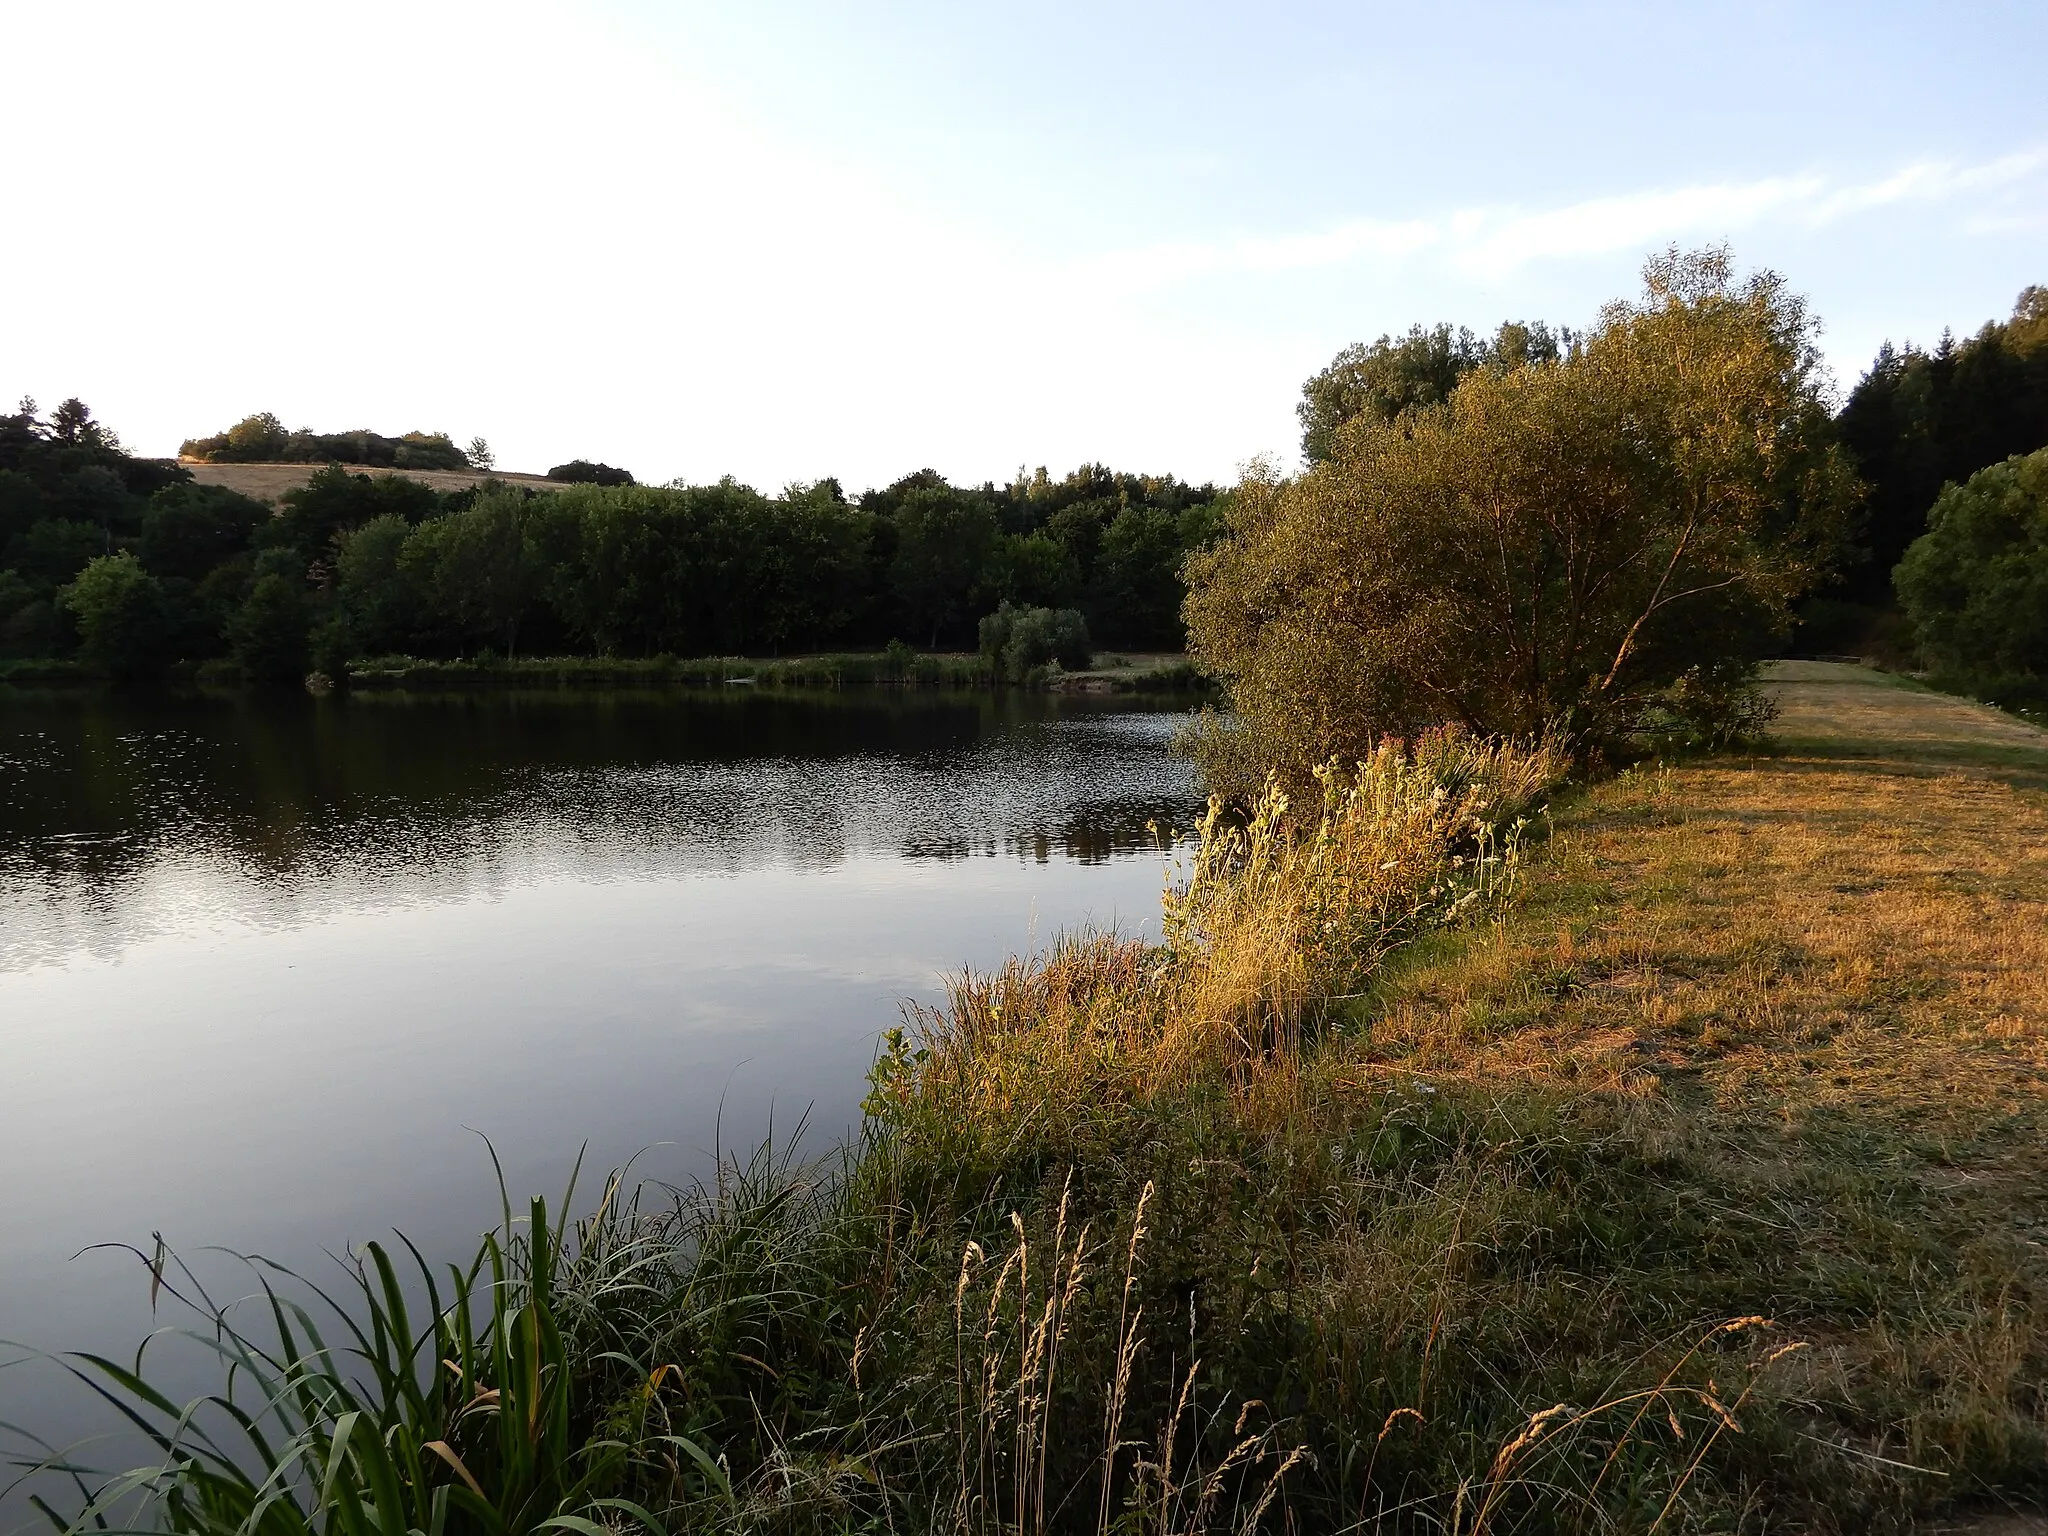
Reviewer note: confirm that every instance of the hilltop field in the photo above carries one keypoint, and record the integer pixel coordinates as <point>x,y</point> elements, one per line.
<point>269,482</point>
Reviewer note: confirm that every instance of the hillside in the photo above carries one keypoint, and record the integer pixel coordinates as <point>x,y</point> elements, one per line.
<point>267,482</point>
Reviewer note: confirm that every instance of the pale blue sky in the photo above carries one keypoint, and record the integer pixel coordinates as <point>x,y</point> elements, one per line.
<point>785,240</point>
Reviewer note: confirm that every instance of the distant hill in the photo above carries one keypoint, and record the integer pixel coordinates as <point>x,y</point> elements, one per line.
<point>268,482</point>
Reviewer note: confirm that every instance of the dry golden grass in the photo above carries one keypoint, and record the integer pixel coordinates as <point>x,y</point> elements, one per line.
<point>1277,920</point>
<point>1860,922</point>
<point>268,482</point>
<point>1815,965</point>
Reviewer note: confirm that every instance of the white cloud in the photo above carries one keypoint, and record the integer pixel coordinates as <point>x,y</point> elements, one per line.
<point>1492,243</point>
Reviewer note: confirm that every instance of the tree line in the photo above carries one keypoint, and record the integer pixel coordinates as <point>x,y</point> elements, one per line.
<point>1544,467</point>
<point>133,566</point>
<point>262,439</point>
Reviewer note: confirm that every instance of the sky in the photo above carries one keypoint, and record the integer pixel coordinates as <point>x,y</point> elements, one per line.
<point>784,240</point>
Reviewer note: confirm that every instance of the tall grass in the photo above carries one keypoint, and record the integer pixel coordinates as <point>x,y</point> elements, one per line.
<point>1276,919</point>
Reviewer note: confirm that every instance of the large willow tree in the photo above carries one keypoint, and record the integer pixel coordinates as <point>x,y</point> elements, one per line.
<point>1552,548</point>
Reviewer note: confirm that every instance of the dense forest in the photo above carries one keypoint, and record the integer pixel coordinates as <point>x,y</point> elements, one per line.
<point>1920,420</point>
<point>132,567</point>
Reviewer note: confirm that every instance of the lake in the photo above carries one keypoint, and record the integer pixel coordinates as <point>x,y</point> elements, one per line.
<point>270,968</point>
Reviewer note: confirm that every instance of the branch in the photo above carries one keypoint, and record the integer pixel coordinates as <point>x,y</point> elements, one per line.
<point>1628,641</point>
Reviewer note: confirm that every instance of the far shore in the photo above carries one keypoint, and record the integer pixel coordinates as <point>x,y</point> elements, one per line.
<point>1112,672</point>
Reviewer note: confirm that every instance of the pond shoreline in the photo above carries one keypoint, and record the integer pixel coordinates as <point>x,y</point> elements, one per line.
<point>1116,673</point>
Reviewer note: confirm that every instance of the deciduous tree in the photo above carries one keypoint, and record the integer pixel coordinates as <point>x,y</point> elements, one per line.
<point>1548,549</point>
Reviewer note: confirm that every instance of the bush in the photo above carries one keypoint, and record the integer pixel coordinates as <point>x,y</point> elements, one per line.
<point>1016,640</point>
<point>1711,708</point>
<point>1550,550</point>
<point>583,472</point>
<point>121,616</point>
<point>1975,585</point>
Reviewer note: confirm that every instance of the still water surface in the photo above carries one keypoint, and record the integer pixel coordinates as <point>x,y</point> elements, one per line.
<point>267,968</point>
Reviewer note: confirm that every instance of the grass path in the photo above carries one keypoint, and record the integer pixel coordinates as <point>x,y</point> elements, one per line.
<point>1859,921</point>
<point>1826,970</point>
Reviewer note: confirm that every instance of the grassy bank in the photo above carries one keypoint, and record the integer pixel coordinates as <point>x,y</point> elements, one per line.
<point>1678,1169</point>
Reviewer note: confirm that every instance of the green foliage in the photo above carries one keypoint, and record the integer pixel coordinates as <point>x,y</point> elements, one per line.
<point>262,439</point>
<point>333,502</point>
<point>380,606</point>
<point>268,634</point>
<point>701,570</point>
<point>1137,576</point>
<point>945,539</point>
<point>1035,570</point>
<point>1711,708</point>
<point>1551,549</point>
<point>584,472</point>
<point>27,622</point>
<point>1975,585</point>
<point>254,439</point>
<point>120,613</point>
<point>493,1399</point>
<point>477,568</point>
<point>53,550</point>
<point>1918,420</point>
<point>68,492</point>
<point>1420,369</point>
<point>1017,641</point>
<point>189,529</point>
<point>603,566</point>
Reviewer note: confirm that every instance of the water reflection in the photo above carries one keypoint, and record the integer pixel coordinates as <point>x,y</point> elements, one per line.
<point>318,805</point>
<point>267,966</point>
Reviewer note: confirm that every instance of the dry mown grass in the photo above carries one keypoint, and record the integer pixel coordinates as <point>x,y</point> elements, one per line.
<point>1860,923</point>
<point>268,482</point>
<point>1825,972</point>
